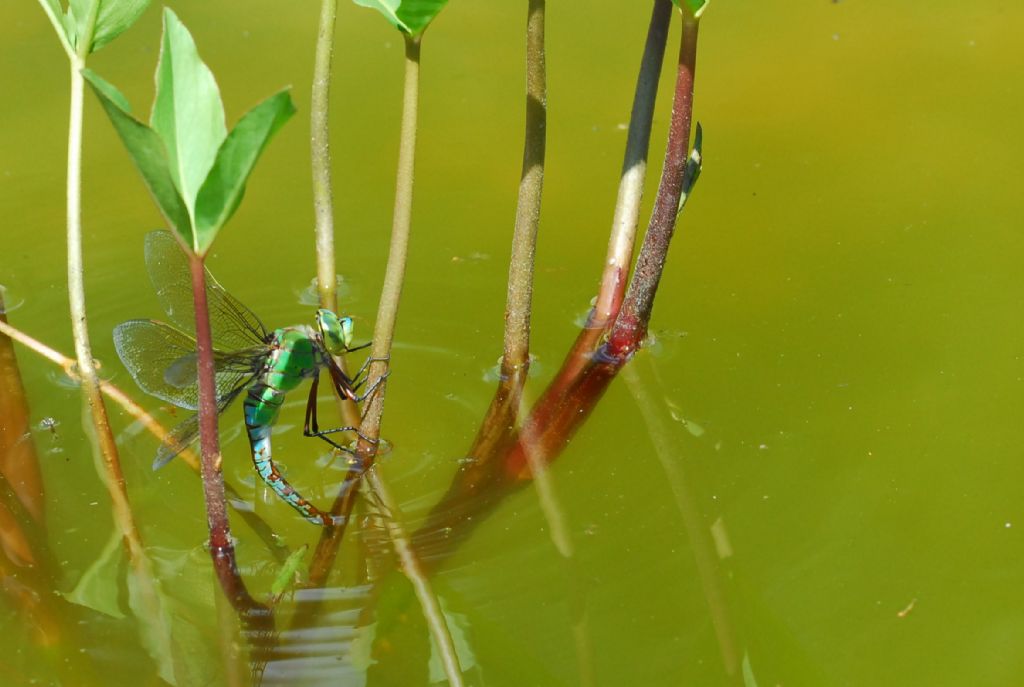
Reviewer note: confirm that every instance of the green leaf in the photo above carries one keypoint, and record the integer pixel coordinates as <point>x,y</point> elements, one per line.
<point>147,152</point>
<point>115,17</point>
<point>224,187</point>
<point>408,16</point>
<point>112,19</point>
<point>187,114</point>
<point>694,7</point>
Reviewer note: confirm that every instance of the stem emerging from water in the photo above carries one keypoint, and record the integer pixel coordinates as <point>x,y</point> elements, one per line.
<point>631,324</point>
<point>531,184</point>
<point>634,170</point>
<point>394,274</point>
<point>222,548</point>
<point>323,200</point>
<point>94,407</point>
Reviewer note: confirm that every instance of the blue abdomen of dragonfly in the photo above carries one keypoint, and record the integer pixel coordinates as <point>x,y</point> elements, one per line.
<point>295,356</point>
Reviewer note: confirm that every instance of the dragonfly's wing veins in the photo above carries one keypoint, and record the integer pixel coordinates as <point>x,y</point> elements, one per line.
<point>162,361</point>
<point>233,325</point>
<point>187,431</point>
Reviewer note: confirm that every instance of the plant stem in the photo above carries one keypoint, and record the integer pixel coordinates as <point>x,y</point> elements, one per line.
<point>394,274</point>
<point>383,335</point>
<point>113,477</point>
<point>634,170</point>
<point>323,200</point>
<point>631,324</point>
<point>499,424</point>
<point>94,409</point>
<point>387,314</point>
<point>531,185</point>
<point>323,193</point>
<point>222,549</point>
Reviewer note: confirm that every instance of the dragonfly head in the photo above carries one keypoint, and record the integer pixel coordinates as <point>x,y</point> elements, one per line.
<point>335,331</point>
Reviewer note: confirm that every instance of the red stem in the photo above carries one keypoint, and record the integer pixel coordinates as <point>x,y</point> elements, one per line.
<point>631,325</point>
<point>588,369</point>
<point>222,550</point>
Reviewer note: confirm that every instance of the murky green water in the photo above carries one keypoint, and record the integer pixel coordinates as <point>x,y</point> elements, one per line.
<point>816,471</point>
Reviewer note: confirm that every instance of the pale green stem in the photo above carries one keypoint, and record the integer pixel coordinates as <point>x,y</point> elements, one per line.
<point>387,315</point>
<point>394,274</point>
<point>323,202</point>
<point>104,437</point>
<point>323,193</point>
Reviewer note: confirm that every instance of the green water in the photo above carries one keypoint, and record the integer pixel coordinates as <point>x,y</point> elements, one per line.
<point>815,473</point>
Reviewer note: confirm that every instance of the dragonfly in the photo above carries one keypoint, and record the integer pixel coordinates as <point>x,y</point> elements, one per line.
<point>265,365</point>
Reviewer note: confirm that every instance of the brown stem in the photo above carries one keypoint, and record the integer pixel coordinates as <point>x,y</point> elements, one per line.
<point>631,325</point>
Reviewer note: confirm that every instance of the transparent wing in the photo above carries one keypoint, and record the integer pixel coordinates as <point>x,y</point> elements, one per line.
<point>233,325</point>
<point>186,431</point>
<point>162,361</point>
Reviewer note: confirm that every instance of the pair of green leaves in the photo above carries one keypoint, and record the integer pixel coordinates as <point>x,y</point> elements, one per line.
<point>76,24</point>
<point>411,17</point>
<point>195,170</point>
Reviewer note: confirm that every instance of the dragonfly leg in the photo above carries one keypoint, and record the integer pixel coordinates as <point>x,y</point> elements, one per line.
<point>323,433</point>
<point>356,382</point>
<point>373,387</point>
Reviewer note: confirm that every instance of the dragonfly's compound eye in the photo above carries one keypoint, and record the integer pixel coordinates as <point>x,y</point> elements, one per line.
<point>346,331</point>
<point>334,332</point>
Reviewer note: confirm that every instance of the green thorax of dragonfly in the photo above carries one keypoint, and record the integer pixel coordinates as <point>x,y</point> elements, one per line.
<point>296,353</point>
